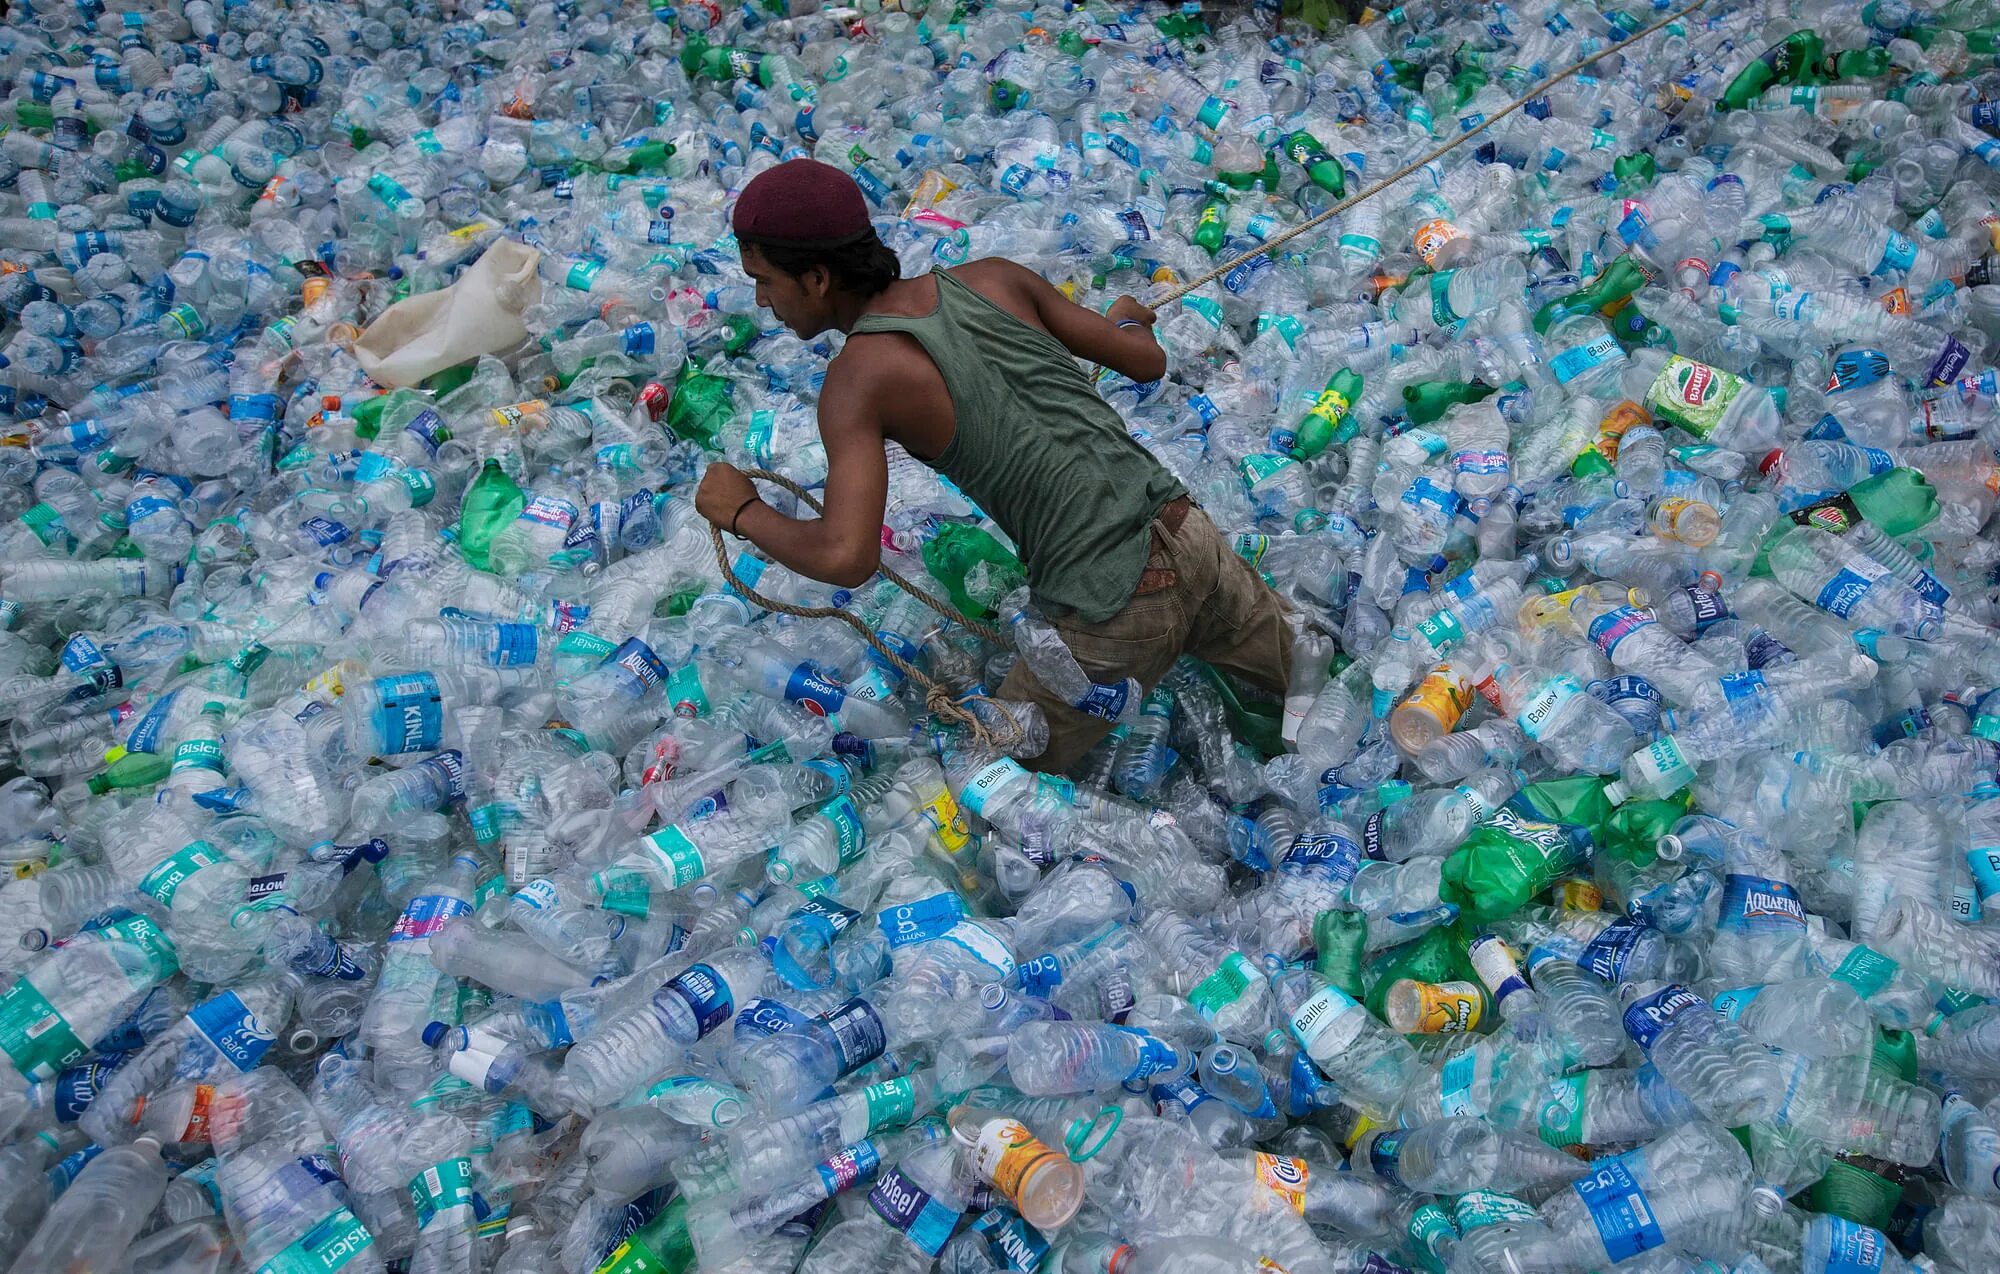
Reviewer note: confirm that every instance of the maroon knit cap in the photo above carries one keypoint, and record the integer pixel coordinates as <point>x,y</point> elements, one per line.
<point>801,203</point>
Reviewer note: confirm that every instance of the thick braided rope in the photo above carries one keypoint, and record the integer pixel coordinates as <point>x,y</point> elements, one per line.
<point>936,697</point>
<point>1411,167</point>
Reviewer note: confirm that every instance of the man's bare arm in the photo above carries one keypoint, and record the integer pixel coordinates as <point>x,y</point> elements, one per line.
<point>844,548</point>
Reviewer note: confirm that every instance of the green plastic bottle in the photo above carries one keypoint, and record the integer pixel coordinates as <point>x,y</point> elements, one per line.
<point>702,404</point>
<point>491,502</point>
<point>661,1246</point>
<point>1321,168</point>
<point>129,770</point>
<point>1340,940</point>
<point>1330,420</point>
<point>1899,502</point>
<point>1506,861</point>
<point>1780,63</point>
<point>1212,226</point>
<point>1438,956</point>
<point>1429,400</point>
<point>1603,294</point>
<point>951,555</point>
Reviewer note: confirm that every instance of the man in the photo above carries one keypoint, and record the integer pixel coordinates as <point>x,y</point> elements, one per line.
<point>973,371</point>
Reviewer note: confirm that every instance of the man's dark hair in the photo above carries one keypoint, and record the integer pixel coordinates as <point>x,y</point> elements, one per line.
<point>863,266</point>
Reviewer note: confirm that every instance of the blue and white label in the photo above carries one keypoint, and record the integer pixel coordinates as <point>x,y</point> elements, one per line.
<point>1618,1207</point>
<point>1756,904</point>
<point>228,1024</point>
<point>410,717</point>
<point>706,995</point>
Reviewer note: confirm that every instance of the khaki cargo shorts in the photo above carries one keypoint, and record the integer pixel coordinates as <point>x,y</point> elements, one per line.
<point>1195,597</point>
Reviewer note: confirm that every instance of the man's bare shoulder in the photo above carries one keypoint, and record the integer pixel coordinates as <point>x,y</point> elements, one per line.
<point>876,363</point>
<point>996,274</point>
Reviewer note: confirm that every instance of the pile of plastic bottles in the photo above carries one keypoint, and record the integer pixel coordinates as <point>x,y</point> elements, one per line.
<point>421,859</point>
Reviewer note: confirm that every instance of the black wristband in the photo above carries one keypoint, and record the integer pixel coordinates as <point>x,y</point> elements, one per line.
<point>734,519</point>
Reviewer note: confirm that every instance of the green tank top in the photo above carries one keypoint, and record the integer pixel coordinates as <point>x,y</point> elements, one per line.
<point>1040,452</point>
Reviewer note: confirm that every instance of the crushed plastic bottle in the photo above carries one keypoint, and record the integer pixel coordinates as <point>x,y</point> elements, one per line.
<point>420,856</point>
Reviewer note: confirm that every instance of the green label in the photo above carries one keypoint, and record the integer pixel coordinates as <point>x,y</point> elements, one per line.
<point>626,892</point>
<point>1693,395</point>
<point>890,1104</point>
<point>328,1246</point>
<point>440,1188</point>
<point>582,274</point>
<point>1223,987</point>
<point>590,645</point>
<point>685,692</point>
<point>1442,630</point>
<point>165,880</point>
<point>33,1035</point>
<point>846,822</point>
<point>141,932</point>
<point>1866,970</point>
<point>1562,1112</point>
<point>46,523</point>
<point>1486,1207</point>
<point>489,823</point>
<point>676,856</point>
<point>198,754</point>
<point>1442,315</point>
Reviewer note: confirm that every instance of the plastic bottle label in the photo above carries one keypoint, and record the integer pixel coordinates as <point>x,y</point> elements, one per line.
<point>37,1039</point>
<point>1618,1207</point>
<point>947,822</point>
<point>813,692</point>
<point>1455,1080</point>
<point>1546,705</point>
<point>1646,1018</point>
<point>1447,1008</point>
<point>1693,396</point>
<point>889,1104</point>
<point>1562,1112</point>
<point>1849,586</point>
<point>1225,986</point>
<point>990,779</point>
<point>440,1188</point>
<point>1614,626</point>
<point>1285,1177</point>
<point>675,856</point>
<point>1006,1154</point>
<point>1865,969</point>
<point>1661,761</point>
<point>330,1244</point>
<point>165,880</point>
<point>979,942</point>
<point>847,828</point>
<point>425,915</point>
<point>1755,904</point>
<point>1477,1208</point>
<point>410,717</point>
<point>858,1034</point>
<point>1155,1057</point>
<point>765,1017</point>
<point>1325,1023</point>
<point>848,1165</point>
<point>1105,703</point>
<point>1330,852</point>
<point>1852,1248</point>
<point>227,1023</point>
<point>1732,1003</point>
<point>1607,954</point>
<point>921,921</point>
<point>1580,359</point>
<point>706,994</point>
<point>925,1221</point>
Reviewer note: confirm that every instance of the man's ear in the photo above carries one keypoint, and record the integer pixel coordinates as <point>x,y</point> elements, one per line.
<point>817,281</point>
